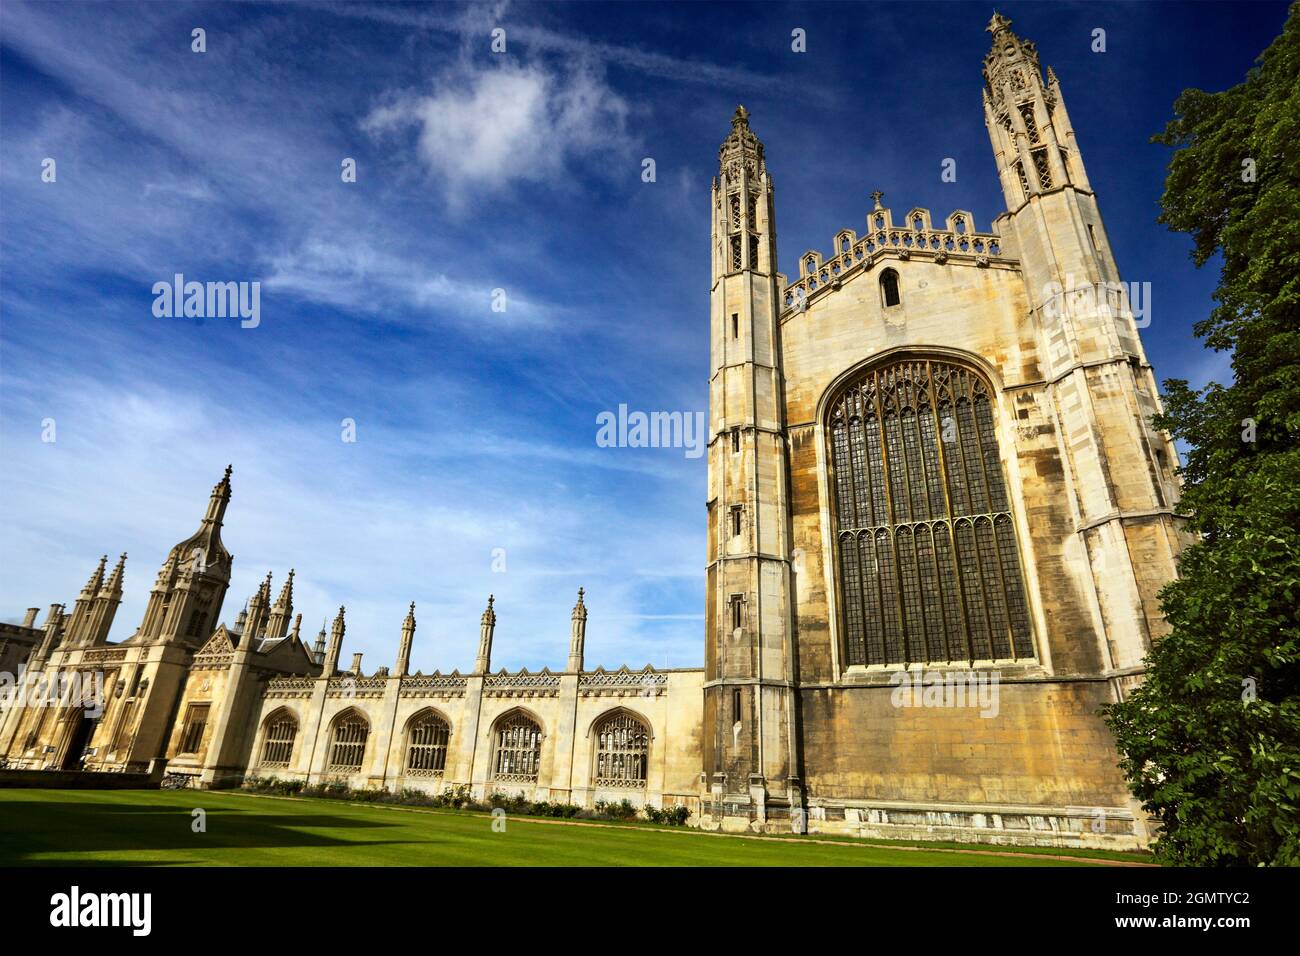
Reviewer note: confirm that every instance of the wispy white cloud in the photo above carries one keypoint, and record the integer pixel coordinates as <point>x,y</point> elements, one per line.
<point>485,129</point>
<point>352,275</point>
<point>475,24</point>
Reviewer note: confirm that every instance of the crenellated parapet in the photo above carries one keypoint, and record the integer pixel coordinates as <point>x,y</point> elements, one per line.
<point>435,685</point>
<point>359,687</point>
<point>281,688</point>
<point>916,237</point>
<point>623,682</point>
<point>522,684</point>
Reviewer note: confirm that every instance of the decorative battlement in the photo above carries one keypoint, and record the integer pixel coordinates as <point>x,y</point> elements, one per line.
<point>623,683</point>
<point>436,684</point>
<point>916,236</point>
<point>522,684</point>
<point>282,687</point>
<point>350,686</point>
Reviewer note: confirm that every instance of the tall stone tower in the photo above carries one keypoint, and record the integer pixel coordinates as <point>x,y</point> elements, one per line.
<point>1102,389</point>
<point>191,585</point>
<point>749,753</point>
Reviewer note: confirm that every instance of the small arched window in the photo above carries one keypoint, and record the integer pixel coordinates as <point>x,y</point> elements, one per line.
<point>277,744</point>
<point>622,746</point>
<point>426,754</point>
<point>889,287</point>
<point>518,749</point>
<point>348,748</point>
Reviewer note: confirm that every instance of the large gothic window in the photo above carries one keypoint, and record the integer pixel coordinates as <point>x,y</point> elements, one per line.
<point>518,749</point>
<point>426,754</point>
<point>926,550</point>
<point>277,744</point>
<point>348,748</point>
<point>622,745</point>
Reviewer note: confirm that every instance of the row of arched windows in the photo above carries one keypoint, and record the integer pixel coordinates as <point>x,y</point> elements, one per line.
<point>622,747</point>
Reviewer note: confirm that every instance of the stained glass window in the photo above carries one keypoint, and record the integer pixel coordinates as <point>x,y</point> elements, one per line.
<point>926,552</point>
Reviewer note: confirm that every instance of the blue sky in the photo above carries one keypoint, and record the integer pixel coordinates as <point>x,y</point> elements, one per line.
<point>476,171</point>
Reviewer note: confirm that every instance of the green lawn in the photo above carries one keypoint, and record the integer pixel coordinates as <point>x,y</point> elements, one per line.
<point>142,827</point>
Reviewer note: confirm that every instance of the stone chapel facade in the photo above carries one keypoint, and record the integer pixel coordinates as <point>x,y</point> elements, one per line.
<point>932,460</point>
<point>938,519</point>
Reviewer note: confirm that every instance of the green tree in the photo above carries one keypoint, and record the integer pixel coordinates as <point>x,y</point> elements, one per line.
<point>1210,742</point>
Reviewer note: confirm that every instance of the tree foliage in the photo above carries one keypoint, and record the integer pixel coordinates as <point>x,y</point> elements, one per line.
<point>1210,742</point>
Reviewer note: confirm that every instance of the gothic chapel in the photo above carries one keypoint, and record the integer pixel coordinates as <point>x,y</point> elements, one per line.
<point>938,519</point>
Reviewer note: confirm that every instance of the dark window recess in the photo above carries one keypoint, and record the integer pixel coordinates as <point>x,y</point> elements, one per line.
<point>889,287</point>
<point>196,720</point>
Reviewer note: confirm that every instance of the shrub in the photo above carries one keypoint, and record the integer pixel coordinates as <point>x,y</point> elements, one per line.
<point>673,816</point>
<point>622,810</point>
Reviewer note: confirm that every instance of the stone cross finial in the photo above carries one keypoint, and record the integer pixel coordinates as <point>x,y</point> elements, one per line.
<point>997,24</point>
<point>876,196</point>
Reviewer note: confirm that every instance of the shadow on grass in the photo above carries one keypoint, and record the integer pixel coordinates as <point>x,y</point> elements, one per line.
<point>86,830</point>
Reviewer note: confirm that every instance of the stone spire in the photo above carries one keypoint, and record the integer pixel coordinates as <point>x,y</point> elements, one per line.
<point>113,586</point>
<point>336,644</point>
<point>1033,142</point>
<point>297,626</point>
<point>404,648</point>
<point>278,623</point>
<point>96,581</point>
<point>744,227</point>
<point>106,603</point>
<point>219,499</point>
<point>78,627</point>
<point>318,650</point>
<point>54,629</point>
<point>487,626</point>
<point>255,625</point>
<point>185,602</point>
<point>577,635</point>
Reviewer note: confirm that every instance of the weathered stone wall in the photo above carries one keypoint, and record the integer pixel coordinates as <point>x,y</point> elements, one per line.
<point>1041,745</point>
<point>567,708</point>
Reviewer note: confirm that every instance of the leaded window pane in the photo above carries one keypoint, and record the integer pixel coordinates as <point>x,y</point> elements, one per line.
<point>843,472</point>
<point>622,751</point>
<point>992,572</point>
<point>518,750</point>
<point>915,473</point>
<point>426,756</point>
<point>873,620</point>
<point>348,748</point>
<point>853,599</point>
<point>1018,613</point>
<point>277,746</point>
<point>927,558</point>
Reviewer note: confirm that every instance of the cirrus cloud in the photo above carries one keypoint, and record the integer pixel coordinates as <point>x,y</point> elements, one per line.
<point>485,129</point>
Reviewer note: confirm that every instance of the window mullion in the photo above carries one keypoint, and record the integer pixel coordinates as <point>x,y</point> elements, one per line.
<point>890,523</point>
<point>947,500</point>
